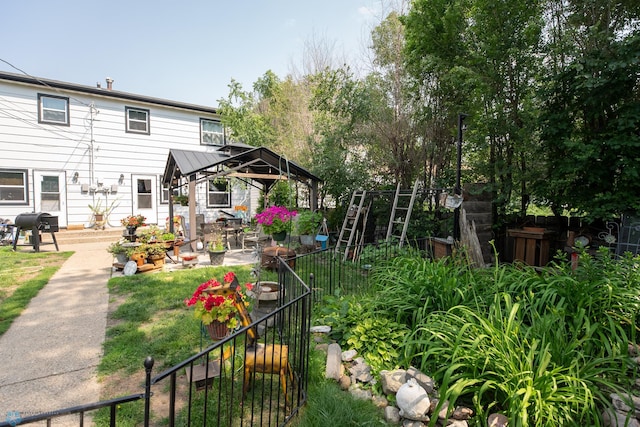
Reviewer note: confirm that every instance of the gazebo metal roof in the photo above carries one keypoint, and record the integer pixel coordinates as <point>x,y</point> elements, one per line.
<point>242,161</point>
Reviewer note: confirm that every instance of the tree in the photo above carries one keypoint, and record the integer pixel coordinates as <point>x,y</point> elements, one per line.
<point>590,123</point>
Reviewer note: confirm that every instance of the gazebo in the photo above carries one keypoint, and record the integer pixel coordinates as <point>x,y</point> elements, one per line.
<point>257,166</point>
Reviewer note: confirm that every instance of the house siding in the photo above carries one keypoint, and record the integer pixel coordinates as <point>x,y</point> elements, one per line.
<point>41,147</point>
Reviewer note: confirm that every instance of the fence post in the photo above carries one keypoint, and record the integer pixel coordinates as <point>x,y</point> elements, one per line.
<point>148,365</point>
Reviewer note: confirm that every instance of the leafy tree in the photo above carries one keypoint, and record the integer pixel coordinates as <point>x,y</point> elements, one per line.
<point>590,130</point>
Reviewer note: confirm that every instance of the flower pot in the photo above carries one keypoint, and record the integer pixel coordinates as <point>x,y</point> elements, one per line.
<point>268,293</point>
<point>122,258</point>
<point>279,236</point>
<point>307,240</point>
<point>157,260</point>
<point>131,230</point>
<point>217,257</point>
<point>217,330</point>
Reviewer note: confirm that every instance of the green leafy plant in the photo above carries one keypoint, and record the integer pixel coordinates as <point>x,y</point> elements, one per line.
<point>308,222</point>
<point>378,340</point>
<point>116,248</point>
<point>216,244</point>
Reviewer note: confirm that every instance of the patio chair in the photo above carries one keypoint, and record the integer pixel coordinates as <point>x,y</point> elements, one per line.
<point>256,238</point>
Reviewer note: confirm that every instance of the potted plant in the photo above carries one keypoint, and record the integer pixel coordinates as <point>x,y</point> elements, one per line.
<point>181,199</point>
<point>216,250</point>
<point>276,220</point>
<point>218,313</point>
<point>156,253</point>
<point>101,212</point>
<point>132,222</point>
<point>307,225</point>
<point>119,251</point>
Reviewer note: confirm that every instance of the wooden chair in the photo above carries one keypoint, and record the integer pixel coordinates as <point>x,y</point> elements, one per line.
<point>259,357</point>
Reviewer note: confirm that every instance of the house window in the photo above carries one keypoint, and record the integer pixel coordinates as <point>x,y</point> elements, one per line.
<point>211,132</point>
<point>13,187</point>
<point>137,120</point>
<point>53,109</point>
<point>164,197</point>
<point>219,193</point>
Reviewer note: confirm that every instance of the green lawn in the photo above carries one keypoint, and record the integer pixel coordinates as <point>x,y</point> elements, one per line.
<point>22,275</point>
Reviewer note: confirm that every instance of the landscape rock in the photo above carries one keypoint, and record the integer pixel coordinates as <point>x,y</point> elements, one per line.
<point>347,356</point>
<point>320,329</point>
<point>497,420</point>
<point>345,382</point>
<point>462,413</point>
<point>380,401</point>
<point>359,393</point>
<point>425,381</point>
<point>323,347</point>
<point>414,423</point>
<point>392,414</point>
<point>391,381</point>
<point>334,362</point>
<point>361,372</point>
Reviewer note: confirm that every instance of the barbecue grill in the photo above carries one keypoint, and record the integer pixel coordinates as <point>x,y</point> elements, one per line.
<point>36,222</point>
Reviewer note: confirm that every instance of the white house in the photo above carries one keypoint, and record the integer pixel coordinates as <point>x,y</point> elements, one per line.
<point>66,146</point>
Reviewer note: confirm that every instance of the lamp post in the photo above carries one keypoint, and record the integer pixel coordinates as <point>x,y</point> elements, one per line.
<point>458,188</point>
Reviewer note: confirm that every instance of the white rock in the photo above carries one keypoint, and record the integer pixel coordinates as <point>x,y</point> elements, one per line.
<point>320,329</point>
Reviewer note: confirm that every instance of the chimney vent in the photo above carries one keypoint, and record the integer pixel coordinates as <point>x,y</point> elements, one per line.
<point>109,83</point>
<point>98,85</point>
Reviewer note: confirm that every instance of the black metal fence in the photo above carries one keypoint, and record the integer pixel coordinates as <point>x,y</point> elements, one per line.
<point>235,381</point>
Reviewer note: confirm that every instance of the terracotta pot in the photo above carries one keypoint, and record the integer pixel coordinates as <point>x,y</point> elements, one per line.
<point>217,330</point>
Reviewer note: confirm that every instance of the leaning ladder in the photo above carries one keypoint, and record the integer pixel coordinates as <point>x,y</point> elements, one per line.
<point>350,223</point>
<point>403,214</point>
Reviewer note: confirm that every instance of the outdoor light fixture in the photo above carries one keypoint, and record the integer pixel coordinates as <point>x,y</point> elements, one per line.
<point>76,175</point>
<point>121,180</point>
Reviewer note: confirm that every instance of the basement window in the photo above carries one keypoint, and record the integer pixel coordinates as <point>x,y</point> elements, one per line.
<point>13,187</point>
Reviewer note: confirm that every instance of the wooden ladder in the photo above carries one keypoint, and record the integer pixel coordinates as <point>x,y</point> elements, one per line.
<point>400,215</point>
<point>350,223</point>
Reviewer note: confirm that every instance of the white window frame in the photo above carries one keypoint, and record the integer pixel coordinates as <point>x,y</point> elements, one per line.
<point>208,137</point>
<point>129,121</point>
<point>23,188</point>
<point>164,194</point>
<point>45,112</point>
<point>212,182</point>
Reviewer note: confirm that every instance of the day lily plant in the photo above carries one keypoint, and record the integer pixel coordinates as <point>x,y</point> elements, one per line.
<point>210,307</point>
<point>275,219</point>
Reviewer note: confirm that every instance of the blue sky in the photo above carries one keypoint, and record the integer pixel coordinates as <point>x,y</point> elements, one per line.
<point>179,50</point>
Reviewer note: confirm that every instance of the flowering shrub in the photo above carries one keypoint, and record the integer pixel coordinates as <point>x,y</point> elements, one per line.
<point>210,307</point>
<point>133,221</point>
<point>275,219</point>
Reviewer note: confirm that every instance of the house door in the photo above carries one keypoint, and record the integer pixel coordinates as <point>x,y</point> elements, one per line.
<point>145,196</point>
<point>50,194</point>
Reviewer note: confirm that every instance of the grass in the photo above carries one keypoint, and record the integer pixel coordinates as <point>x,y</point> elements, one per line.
<point>150,318</point>
<point>22,275</point>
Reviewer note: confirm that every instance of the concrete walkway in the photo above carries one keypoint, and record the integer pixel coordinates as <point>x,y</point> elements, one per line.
<point>49,355</point>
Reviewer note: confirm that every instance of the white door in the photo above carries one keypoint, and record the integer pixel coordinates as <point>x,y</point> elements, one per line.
<point>144,197</point>
<point>50,194</point>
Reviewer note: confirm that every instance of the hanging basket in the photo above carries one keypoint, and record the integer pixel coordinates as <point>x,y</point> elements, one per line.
<point>217,330</point>
<point>279,236</point>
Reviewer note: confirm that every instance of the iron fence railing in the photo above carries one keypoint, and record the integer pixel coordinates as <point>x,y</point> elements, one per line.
<point>231,382</point>
<point>217,386</point>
